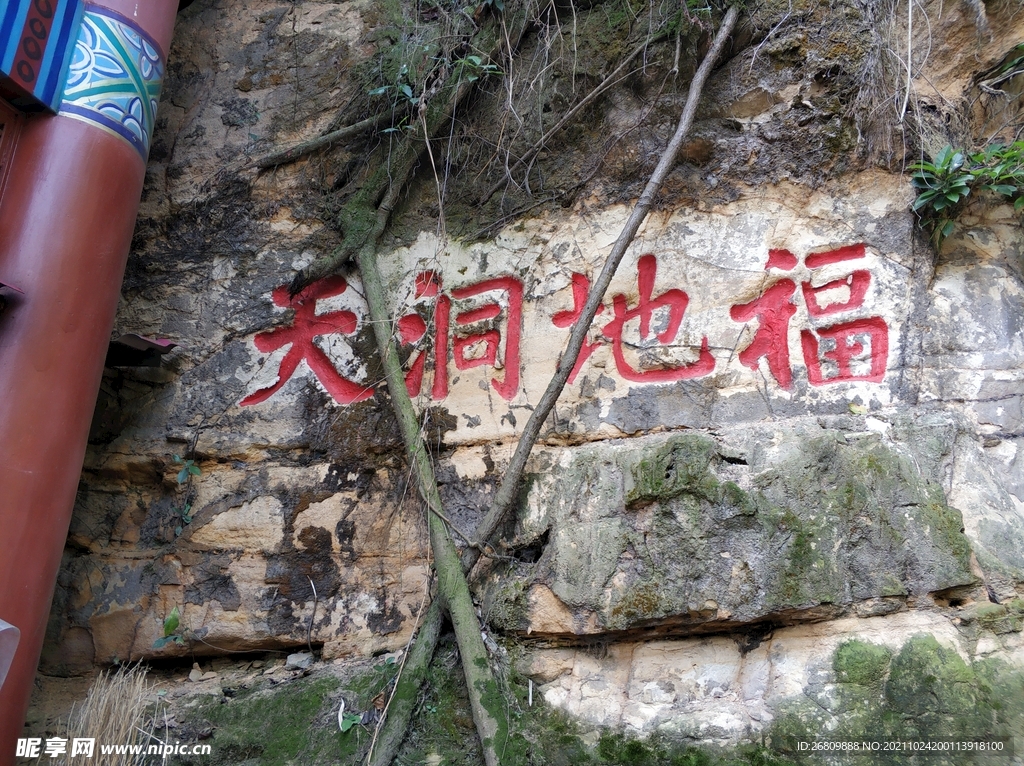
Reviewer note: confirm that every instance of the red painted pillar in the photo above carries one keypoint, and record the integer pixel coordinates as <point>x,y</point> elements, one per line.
<point>66,217</point>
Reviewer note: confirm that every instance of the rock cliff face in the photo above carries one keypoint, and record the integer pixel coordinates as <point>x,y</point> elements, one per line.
<point>794,426</point>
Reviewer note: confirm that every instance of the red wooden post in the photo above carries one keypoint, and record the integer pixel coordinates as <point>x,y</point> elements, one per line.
<point>68,207</point>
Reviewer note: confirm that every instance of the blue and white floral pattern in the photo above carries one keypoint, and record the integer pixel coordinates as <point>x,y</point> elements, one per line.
<point>114,79</point>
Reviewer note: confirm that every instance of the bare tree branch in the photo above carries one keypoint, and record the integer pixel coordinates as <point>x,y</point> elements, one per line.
<point>398,717</point>
<point>284,156</point>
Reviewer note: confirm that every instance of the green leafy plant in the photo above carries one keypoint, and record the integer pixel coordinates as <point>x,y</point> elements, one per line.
<point>185,512</point>
<point>472,68</point>
<point>402,124</point>
<point>401,92</point>
<point>944,183</point>
<point>171,635</point>
<point>348,720</point>
<point>189,469</point>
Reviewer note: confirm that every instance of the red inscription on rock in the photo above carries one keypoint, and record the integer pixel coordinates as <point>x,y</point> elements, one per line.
<point>857,349</point>
<point>473,335</point>
<point>306,326</point>
<point>670,306</point>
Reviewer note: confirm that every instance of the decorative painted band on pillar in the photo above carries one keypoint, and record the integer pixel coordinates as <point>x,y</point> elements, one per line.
<point>114,78</point>
<point>36,37</point>
<point>83,61</point>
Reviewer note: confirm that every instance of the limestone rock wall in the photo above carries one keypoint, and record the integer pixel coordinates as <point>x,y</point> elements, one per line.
<point>795,425</point>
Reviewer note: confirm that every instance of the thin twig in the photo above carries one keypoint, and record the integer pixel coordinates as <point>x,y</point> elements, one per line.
<point>312,617</point>
<point>768,37</point>
<point>442,228</point>
<point>455,528</point>
<point>284,156</point>
<point>910,57</point>
<point>604,85</point>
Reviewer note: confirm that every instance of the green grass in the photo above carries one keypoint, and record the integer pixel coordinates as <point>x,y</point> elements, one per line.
<point>291,723</point>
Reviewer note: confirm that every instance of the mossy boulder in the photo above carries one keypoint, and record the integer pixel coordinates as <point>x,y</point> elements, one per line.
<point>662,531</point>
<point>999,618</point>
<point>861,663</point>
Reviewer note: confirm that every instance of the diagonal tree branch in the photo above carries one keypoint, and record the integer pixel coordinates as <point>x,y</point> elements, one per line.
<point>397,721</point>
<point>509,487</point>
<point>452,587</point>
<point>283,156</point>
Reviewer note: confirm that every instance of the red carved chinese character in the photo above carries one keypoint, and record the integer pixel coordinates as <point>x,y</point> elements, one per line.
<point>845,340</point>
<point>672,301</point>
<point>509,386</point>
<point>412,328</point>
<point>857,282</point>
<point>580,291</point>
<point>840,344</point>
<point>773,309</point>
<point>675,301</point>
<point>848,349</point>
<point>470,349</point>
<point>307,325</point>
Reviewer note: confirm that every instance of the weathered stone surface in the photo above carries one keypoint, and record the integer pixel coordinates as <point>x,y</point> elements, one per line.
<point>842,451</point>
<point>662,533</point>
<point>298,661</point>
<point>717,689</point>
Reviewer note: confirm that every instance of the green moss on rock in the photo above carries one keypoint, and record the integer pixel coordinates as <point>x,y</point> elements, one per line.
<point>927,691</point>
<point>861,663</point>
<point>832,521</point>
<point>507,608</point>
<point>677,466</point>
<point>1001,618</point>
<point>291,723</point>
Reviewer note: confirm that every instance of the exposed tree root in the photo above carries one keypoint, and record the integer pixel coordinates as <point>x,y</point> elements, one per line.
<point>509,488</point>
<point>363,219</point>
<point>452,587</point>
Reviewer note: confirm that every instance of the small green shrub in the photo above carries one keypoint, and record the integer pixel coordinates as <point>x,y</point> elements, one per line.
<point>948,180</point>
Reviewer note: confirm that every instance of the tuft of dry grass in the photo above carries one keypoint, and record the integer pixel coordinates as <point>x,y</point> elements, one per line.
<point>113,713</point>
